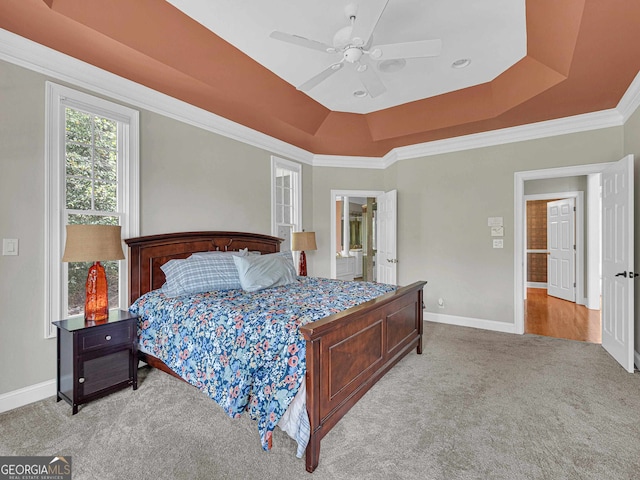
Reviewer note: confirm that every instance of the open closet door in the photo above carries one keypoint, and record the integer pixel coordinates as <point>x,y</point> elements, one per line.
<point>386,236</point>
<point>617,261</point>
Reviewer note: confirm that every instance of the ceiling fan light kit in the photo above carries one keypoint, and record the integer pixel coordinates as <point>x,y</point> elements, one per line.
<point>353,42</point>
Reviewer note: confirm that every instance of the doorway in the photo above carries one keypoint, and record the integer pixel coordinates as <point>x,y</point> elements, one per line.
<point>555,260</point>
<point>353,242</point>
<point>616,249</point>
<point>589,273</point>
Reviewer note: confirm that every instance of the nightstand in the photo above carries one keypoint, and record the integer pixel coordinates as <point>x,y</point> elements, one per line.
<point>96,358</point>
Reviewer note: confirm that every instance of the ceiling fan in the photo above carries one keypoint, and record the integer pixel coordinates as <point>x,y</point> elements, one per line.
<point>354,43</point>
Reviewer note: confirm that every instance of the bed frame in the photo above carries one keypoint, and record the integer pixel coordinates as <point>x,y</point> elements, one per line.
<point>347,353</point>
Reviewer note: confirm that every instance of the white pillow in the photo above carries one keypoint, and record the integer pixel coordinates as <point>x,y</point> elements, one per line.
<point>258,272</point>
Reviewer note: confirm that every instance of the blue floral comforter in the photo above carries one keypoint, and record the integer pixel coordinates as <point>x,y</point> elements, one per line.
<point>243,349</point>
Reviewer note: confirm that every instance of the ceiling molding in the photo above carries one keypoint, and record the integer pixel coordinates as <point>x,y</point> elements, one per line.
<point>630,101</point>
<point>340,161</point>
<point>533,131</point>
<point>549,128</point>
<point>33,56</point>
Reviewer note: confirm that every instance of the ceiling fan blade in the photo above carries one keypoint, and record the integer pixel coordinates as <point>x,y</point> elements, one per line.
<point>366,21</point>
<point>302,42</point>
<point>321,77</point>
<point>370,80</point>
<point>422,48</point>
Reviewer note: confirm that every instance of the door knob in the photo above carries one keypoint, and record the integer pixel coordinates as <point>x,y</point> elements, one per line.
<point>622,274</point>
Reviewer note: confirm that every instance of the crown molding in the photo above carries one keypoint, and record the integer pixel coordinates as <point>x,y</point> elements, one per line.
<point>340,161</point>
<point>33,56</point>
<point>549,128</point>
<point>630,101</point>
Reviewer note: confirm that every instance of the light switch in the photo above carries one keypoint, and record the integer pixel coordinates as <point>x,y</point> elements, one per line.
<point>9,246</point>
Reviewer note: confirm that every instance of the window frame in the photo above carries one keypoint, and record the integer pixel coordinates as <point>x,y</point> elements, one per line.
<point>296,186</point>
<point>59,97</point>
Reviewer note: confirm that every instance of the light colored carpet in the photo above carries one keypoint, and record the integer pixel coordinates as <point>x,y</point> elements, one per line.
<point>474,405</point>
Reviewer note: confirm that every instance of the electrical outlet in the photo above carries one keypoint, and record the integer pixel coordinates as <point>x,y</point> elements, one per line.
<point>441,302</point>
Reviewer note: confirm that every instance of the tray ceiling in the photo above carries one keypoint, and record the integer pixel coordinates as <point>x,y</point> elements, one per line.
<point>578,57</point>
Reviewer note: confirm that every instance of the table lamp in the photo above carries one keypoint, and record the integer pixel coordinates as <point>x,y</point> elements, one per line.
<point>301,241</point>
<point>94,243</point>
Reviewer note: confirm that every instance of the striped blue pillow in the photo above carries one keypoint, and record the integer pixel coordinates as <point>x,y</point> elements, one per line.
<point>200,274</point>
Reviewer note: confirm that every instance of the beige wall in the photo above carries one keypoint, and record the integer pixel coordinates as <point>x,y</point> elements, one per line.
<point>26,357</point>
<point>191,179</point>
<point>444,202</point>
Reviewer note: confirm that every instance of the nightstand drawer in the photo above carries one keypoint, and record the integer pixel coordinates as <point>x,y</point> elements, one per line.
<point>107,336</point>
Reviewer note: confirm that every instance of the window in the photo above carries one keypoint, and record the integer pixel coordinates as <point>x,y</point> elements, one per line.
<point>91,169</point>
<point>286,191</point>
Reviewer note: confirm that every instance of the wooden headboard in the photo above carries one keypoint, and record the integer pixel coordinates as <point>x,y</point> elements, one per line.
<point>147,254</point>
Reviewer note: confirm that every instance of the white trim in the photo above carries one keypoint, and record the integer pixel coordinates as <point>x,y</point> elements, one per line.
<point>593,233</point>
<point>469,322</point>
<point>520,223</point>
<point>630,101</point>
<point>340,193</point>
<point>550,128</point>
<point>341,161</point>
<point>25,396</point>
<point>28,54</point>
<point>277,162</point>
<point>532,131</point>
<point>57,97</point>
<point>542,285</point>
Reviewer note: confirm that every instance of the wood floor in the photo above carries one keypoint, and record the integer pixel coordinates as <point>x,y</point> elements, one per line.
<point>553,317</point>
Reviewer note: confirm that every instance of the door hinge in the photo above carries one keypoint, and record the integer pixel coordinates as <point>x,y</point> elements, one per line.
<point>574,284</point>
<point>574,209</point>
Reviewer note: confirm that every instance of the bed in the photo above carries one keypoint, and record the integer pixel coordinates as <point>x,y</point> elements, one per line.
<point>346,352</point>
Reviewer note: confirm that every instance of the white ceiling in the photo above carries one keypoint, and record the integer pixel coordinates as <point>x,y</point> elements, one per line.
<point>491,33</point>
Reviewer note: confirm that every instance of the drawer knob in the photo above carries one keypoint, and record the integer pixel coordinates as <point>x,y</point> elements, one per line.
<point>81,380</point>
<point>108,337</point>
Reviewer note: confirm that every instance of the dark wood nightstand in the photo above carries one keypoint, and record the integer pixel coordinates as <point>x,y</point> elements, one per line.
<point>96,358</point>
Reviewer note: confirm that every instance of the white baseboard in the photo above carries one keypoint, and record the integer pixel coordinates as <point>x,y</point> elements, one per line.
<point>537,285</point>
<point>27,395</point>
<point>470,322</point>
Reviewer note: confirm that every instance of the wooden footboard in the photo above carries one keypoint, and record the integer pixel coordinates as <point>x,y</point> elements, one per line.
<point>347,353</point>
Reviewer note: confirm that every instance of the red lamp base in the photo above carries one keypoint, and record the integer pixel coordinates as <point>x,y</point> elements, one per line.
<point>303,264</point>
<point>96,304</point>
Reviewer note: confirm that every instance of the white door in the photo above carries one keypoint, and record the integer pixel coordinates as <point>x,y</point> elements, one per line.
<point>386,227</point>
<point>617,261</point>
<point>561,246</point>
